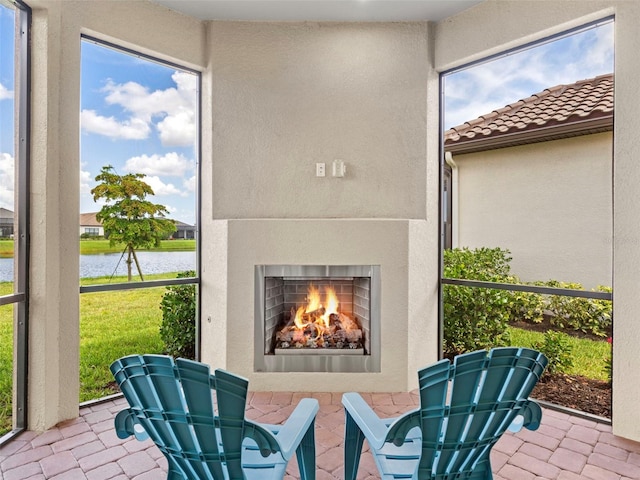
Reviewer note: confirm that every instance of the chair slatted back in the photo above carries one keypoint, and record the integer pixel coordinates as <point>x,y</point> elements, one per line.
<point>466,406</point>
<point>174,403</point>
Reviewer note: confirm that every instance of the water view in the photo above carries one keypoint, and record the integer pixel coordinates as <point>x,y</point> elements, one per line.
<point>113,264</point>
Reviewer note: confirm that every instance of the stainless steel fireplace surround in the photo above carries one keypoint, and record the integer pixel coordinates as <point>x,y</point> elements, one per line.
<point>277,287</point>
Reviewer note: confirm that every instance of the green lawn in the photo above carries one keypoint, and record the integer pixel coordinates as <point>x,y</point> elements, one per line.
<point>6,248</point>
<point>88,247</point>
<point>112,324</point>
<point>589,356</point>
<point>6,362</point>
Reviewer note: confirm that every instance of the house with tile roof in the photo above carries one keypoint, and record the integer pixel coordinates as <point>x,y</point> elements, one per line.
<point>535,177</point>
<point>90,226</point>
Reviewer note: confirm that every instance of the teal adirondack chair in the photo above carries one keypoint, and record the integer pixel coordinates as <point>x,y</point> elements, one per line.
<point>465,407</point>
<point>173,403</point>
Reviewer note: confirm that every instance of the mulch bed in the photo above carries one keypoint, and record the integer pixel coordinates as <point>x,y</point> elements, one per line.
<point>572,391</point>
<point>579,393</point>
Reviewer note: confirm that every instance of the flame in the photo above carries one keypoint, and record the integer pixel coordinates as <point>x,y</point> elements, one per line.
<point>300,324</point>
<point>319,323</point>
<point>331,300</point>
<point>313,300</point>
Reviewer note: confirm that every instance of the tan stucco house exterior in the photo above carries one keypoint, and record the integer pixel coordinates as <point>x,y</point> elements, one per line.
<point>90,226</point>
<point>535,177</point>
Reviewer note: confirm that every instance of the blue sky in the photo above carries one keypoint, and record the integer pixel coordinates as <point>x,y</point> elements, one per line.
<point>486,87</point>
<point>6,108</point>
<point>139,116</point>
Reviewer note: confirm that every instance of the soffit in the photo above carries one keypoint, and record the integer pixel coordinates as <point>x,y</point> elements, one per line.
<point>320,10</point>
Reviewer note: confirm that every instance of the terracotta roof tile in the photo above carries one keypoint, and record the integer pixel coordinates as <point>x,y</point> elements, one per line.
<point>583,107</point>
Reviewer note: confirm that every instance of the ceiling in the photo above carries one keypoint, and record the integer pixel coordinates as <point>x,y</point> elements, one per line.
<point>320,10</point>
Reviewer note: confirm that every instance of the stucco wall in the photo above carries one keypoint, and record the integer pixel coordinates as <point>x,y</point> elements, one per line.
<point>408,334</point>
<point>495,26</point>
<point>549,204</point>
<point>284,96</point>
<point>53,383</point>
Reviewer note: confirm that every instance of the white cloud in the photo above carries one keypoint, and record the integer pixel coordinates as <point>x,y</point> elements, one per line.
<point>5,93</point>
<point>601,52</point>
<point>481,89</point>
<point>132,129</point>
<point>177,129</point>
<point>161,188</point>
<point>7,180</point>
<point>85,181</point>
<point>173,109</point>
<point>190,184</point>
<point>170,164</point>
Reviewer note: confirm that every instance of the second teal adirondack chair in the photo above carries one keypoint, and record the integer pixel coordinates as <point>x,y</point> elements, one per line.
<point>465,407</point>
<point>173,403</point>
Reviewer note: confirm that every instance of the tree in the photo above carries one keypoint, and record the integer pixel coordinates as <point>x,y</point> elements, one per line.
<point>127,216</point>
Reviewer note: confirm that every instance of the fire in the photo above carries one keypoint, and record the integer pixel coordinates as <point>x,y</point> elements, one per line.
<point>313,300</point>
<point>320,324</point>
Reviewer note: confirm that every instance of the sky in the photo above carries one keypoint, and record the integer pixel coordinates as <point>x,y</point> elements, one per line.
<point>482,88</point>
<point>140,116</point>
<point>7,149</point>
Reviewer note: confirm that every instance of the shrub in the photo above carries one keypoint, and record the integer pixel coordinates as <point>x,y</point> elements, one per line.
<point>555,346</point>
<point>476,318</point>
<point>527,306</point>
<point>586,315</point>
<point>178,328</point>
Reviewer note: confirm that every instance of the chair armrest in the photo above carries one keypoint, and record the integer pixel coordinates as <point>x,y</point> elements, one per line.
<point>399,429</point>
<point>529,417</point>
<point>284,438</point>
<point>372,427</point>
<point>126,424</point>
<point>301,419</point>
<point>532,415</point>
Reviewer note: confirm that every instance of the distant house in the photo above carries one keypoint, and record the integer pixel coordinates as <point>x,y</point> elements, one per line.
<point>90,226</point>
<point>6,223</point>
<point>535,177</point>
<point>184,230</point>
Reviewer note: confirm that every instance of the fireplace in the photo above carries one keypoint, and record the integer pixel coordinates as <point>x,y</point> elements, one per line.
<point>312,318</point>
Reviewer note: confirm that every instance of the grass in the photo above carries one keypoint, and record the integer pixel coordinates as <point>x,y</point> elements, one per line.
<point>589,356</point>
<point>112,324</point>
<point>134,316</point>
<point>89,247</point>
<point>6,248</point>
<point>6,361</point>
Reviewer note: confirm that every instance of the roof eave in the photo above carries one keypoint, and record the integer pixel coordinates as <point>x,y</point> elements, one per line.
<point>535,135</point>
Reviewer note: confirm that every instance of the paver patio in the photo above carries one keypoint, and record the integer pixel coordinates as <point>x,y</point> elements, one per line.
<point>565,447</point>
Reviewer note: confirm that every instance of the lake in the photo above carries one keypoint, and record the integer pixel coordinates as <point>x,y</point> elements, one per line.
<point>105,265</point>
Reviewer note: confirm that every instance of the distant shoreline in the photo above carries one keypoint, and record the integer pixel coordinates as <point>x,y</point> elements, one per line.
<point>95,247</point>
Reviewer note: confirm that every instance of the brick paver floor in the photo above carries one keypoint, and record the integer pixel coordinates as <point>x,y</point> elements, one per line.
<point>565,447</point>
